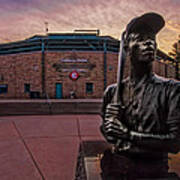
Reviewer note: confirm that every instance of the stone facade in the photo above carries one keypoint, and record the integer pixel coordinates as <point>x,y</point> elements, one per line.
<point>89,66</point>
<point>20,69</point>
<point>26,68</point>
<point>165,70</point>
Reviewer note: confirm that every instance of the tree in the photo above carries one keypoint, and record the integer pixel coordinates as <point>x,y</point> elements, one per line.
<point>176,55</point>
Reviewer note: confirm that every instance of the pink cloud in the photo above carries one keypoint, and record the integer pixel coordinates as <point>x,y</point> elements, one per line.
<point>20,18</point>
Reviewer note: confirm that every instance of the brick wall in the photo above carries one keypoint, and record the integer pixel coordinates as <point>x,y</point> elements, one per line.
<point>20,69</point>
<point>7,71</point>
<point>27,68</point>
<point>112,65</point>
<point>93,75</point>
<point>164,70</point>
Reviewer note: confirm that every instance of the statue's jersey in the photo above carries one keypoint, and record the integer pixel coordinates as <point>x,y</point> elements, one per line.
<point>152,111</point>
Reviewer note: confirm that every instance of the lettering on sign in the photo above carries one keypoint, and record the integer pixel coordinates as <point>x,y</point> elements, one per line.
<point>74,60</point>
<point>70,64</point>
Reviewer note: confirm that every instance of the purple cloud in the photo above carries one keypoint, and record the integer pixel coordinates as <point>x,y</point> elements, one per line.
<point>23,18</point>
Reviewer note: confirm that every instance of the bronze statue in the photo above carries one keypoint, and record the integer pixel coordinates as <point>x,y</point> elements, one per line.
<point>144,124</point>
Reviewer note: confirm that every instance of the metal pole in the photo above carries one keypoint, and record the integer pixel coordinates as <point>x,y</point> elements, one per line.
<point>43,67</point>
<point>105,63</point>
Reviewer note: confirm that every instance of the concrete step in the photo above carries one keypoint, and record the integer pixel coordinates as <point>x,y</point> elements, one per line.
<point>52,106</point>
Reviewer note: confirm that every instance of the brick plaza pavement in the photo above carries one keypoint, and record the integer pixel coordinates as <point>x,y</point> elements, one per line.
<point>45,147</point>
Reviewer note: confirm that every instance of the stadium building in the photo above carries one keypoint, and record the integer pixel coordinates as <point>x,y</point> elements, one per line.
<point>79,64</point>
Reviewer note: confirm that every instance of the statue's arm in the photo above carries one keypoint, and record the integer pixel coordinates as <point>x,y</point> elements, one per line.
<point>107,98</point>
<point>163,142</point>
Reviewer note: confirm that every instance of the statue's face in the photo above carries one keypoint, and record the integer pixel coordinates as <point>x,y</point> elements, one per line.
<point>142,47</point>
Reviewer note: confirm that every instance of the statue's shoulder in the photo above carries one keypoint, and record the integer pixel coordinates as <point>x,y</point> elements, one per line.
<point>159,79</point>
<point>165,81</point>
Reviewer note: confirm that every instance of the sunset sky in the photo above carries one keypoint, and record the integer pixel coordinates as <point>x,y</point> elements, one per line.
<point>20,19</point>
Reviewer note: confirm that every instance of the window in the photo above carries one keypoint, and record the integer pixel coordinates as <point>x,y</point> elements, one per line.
<point>26,88</point>
<point>89,87</point>
<point>3,88</point>
<point>1,77</point>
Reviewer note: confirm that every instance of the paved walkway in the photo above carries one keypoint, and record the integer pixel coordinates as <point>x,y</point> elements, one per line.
<point>46,147</point>
<point>43,147</point>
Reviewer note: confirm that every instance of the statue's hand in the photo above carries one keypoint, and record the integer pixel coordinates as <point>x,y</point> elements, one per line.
<point>113,127</point>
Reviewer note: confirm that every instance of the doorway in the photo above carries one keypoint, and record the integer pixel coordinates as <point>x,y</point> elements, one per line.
<point>58,90</point>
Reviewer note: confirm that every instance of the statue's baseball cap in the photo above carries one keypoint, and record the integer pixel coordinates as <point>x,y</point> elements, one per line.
<point>150,22</point>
